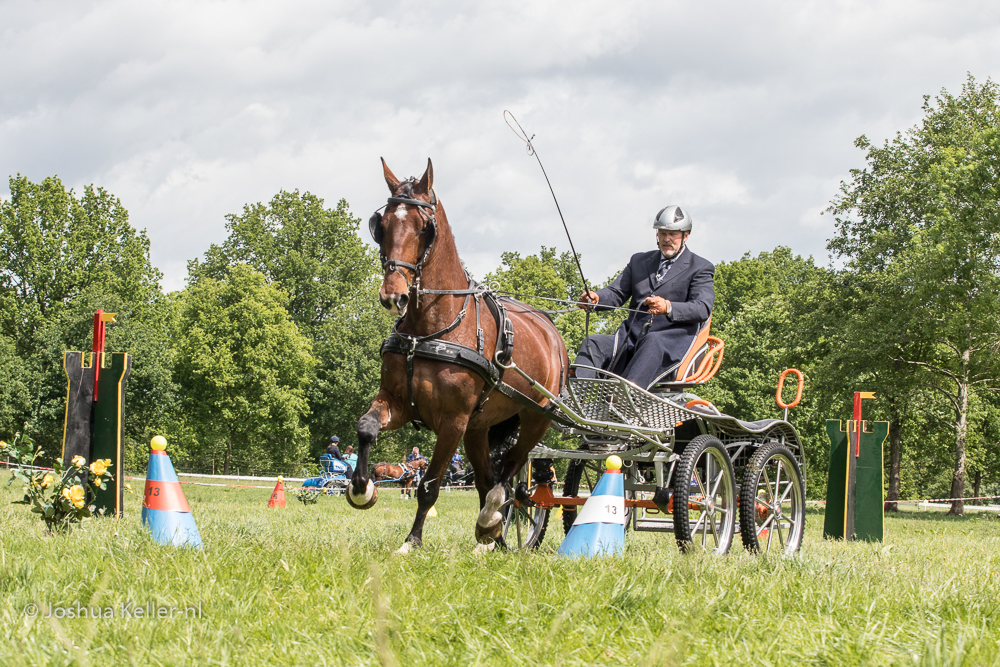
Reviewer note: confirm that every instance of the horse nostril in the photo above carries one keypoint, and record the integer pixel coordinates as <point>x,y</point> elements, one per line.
<point>401,301</point>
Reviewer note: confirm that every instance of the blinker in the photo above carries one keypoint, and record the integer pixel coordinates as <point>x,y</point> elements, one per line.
<point>375,227</point>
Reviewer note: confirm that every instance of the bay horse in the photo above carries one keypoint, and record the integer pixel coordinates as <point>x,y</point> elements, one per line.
<point>444,387</point>
<point>404,473</point>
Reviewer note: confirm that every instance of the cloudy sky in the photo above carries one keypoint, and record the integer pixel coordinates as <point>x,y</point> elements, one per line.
<point>745,112</point>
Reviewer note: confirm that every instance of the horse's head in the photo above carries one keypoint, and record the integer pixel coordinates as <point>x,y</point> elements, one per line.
<point>405,234</point>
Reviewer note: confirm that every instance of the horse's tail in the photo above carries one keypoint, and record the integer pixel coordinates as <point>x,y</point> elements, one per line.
<point>502,437</point>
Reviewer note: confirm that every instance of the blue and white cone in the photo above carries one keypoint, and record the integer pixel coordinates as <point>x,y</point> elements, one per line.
<point>599,530</point>
<point>165,510</point>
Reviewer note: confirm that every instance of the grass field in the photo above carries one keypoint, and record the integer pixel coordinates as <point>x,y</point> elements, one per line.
<point>319,585</point>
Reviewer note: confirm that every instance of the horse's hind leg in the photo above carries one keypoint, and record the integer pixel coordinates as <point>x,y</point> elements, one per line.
<point>489,525</point>
<point>448,437</point>
<point>362,493</point>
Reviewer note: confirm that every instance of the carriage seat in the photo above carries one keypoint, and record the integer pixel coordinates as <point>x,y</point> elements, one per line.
<point>699,365</point>
<point>331,465</point>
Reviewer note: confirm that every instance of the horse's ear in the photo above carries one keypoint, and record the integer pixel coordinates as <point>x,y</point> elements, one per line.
<point>427,180</point>
<point>390,178</point>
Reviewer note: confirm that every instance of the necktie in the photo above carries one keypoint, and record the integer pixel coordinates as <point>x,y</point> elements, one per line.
<point>661,272</point>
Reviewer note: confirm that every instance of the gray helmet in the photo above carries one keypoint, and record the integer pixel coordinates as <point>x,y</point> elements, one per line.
<point>673,218</point>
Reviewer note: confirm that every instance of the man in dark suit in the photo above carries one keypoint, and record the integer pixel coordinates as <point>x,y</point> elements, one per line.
<point>671,287</point>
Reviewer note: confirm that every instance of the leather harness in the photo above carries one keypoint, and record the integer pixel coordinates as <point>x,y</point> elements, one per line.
<point>432,348</point>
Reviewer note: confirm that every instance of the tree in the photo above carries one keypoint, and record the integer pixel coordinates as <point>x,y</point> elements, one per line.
<point>241,369</point>
<point>332,279</point>
<point>920,229</point>
<point>55,245</point>
<point>62,256</point>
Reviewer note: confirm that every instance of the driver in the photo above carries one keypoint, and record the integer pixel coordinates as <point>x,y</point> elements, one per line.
<point>670,285</point>
<point>457,464</point>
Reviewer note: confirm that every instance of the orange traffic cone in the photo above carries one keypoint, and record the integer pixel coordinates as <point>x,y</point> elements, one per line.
<point>278,495</point>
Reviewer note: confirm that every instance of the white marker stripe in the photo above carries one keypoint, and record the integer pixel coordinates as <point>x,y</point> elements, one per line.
<point>602,509</point>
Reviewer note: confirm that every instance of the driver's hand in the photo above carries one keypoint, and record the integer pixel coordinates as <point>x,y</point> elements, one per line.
<point>585,298</point>
<point>657,305</point>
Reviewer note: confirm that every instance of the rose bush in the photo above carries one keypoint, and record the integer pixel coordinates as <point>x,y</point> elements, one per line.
<point>59,496</point>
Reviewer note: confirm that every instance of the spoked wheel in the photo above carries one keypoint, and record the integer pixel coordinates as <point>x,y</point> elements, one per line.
<point>584,473</point>
<point>772,501</point>
<point>524,525</point>
<point>704,497</point>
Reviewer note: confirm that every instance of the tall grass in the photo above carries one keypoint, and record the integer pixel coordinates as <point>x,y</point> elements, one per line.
<point>319,585</point>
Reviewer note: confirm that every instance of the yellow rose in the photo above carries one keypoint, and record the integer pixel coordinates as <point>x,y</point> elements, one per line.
<point>99,467</point>
<point>75,495</point>
<point>79,461</point>
<point>47,480</point>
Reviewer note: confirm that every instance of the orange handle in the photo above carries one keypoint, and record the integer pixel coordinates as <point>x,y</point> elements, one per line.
<point>702,401</point>
<point>781,387</point>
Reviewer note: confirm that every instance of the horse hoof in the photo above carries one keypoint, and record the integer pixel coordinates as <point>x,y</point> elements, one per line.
<point>490,532</point>
<point>484,549</point>
<point>489,523</point>
<point>362,502</point>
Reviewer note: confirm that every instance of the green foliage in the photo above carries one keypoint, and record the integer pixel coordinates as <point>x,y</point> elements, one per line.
<point>315,255</point>
<point>241,367</point>
<point>59,497</point>
<point>55,245</point>
<point>920,229</point>
<point>62,257</point>
<point>307,496</point>
<point>16,395</point>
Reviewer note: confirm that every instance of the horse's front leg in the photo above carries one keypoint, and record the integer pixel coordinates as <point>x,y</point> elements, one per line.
<point>362,492</point>
<point>430,484</point>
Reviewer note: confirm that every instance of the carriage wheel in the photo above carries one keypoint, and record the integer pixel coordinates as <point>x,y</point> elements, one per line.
<point>772,501</point>
<point>587,471</point>
<point>524,525</point>
<point>704,497</point>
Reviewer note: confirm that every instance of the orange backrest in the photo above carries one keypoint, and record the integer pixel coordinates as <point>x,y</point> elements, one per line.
<point>710,349</point>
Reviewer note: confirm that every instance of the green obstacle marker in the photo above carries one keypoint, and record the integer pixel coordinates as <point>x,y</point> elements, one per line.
<point>854,498</point>
<point>94,421</point>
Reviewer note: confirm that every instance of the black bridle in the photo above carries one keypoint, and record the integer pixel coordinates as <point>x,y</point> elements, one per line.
<point>378,234</point>
<point>377,231</point>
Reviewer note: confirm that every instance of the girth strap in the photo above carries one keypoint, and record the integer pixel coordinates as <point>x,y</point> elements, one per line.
<point>429,347</point>
<point>446,351</point>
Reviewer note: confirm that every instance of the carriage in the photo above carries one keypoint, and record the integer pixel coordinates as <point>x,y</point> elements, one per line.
<point>689,469</point>
<point>333,476</point>
<point>451,365</point>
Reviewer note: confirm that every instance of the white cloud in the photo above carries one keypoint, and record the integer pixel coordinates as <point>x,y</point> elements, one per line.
<point>744,112</point>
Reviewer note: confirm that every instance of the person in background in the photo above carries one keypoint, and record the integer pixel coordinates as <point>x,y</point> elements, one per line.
<point>414,455</point>
<point>333,451</point>
<point>350,458</point>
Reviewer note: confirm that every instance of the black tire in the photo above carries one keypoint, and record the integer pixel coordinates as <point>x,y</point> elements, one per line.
<point>524,525</point>
<point>772,471</point>
<point>588,471</point>
<point>704,478</point>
